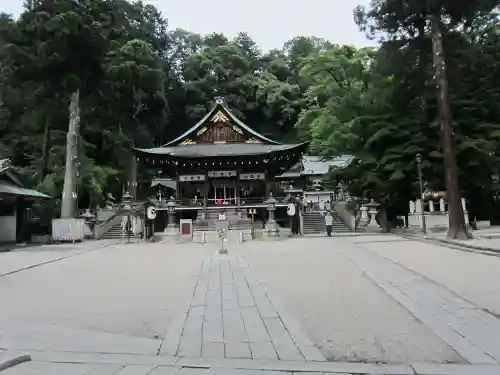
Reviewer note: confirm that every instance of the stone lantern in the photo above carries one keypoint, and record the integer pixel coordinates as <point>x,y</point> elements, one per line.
<point>272,225</point>
<point>90,221</point>
<point>373,211</point>
<point>171,228</point>
<point>127,210</point>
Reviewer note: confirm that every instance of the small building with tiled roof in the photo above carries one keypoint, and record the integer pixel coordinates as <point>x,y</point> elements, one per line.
<point>15,199</point>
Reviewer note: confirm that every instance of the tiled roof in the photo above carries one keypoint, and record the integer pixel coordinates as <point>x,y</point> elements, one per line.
<point>212,150</point>
<point>11,189</point>
<point>316,165</point>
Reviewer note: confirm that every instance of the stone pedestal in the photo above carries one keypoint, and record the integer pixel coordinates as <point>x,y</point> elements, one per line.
<point>364,217</point>
<point>171,229</point>
<point>373,225</point>
<point>272,226</point>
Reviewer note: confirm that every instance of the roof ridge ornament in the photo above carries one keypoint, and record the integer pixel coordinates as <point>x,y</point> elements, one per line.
<point>219,100</point>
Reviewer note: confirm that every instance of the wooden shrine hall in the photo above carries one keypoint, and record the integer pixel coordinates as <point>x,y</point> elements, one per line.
<point>221,161</point>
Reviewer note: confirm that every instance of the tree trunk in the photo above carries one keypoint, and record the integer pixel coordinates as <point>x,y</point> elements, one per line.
<point>457,228</point>
<point>69,195</point>
<point>45,151</point>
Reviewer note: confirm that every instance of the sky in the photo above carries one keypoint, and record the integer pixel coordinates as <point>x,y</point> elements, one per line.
<point>269,22</point>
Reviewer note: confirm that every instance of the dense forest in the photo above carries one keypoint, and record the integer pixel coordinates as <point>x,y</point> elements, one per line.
<point>141,84</point>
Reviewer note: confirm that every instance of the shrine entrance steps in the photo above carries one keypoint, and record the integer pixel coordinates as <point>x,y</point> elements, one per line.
<point>116,232</point>
<point>314,223</point>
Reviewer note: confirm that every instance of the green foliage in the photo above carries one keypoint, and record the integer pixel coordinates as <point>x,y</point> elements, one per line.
<point>143,84</point>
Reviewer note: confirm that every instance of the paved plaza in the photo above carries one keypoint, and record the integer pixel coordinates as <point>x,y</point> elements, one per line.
<point>368,304</point>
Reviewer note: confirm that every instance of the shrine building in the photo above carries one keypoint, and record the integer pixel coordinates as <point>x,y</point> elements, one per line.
<point>221,161</point>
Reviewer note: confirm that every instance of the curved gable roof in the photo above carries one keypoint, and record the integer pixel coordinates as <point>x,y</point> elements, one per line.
<point>206,118</point>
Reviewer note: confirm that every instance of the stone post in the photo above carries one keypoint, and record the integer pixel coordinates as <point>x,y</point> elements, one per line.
<point>364,217</point>
<point>272,225</point>
<point>441,206</point>
<point>373,225</point>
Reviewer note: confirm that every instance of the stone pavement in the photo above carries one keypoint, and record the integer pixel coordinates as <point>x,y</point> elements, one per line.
<point>231,316</point>
<point>233,323</point>
<point>33,256</point>
<point>67,363</point>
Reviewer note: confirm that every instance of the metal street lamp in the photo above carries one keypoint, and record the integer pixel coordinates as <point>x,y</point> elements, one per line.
<point>418,158</point>
<point>127,200</point>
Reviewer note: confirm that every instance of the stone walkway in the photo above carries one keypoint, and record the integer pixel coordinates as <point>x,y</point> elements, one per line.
<point>231,316</point>
<point>470,331</point>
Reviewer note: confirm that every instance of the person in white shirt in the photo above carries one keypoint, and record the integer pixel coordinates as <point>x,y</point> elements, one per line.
<point>328,223</point>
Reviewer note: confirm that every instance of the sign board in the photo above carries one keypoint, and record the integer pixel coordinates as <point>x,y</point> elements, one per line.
<point>191,177</point>
<point>222,217</point>
<point>223,174</point>
<point>186,226</point>
<point>222,224</point>
<point>252,176</point>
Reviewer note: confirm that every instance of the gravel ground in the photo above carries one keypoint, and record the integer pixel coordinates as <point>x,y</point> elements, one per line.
<point>472,276</point>
<point>345,313</point>
<point>129,289</point>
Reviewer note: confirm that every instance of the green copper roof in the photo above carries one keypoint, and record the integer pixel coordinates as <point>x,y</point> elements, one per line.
<point>11,189</point>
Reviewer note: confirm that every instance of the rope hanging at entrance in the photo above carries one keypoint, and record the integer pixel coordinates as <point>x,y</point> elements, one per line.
<point>221,163</point>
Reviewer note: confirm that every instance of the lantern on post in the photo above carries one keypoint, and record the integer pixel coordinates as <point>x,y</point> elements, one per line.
<point>272,225</point>
<point>127,208</point>
<point>171,208</point>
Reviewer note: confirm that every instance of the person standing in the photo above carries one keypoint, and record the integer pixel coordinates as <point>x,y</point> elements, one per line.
<point>328,223</point>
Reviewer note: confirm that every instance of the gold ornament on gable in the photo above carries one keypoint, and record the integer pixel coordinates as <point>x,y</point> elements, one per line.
<point>188,141</point>
<point>219,117</point>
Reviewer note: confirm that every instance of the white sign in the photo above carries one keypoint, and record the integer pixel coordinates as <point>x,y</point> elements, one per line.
<point>222,217</point>
<point>151,213</point>
<point>252,176</point>
<point>192,177</point>
<point>215,174</point>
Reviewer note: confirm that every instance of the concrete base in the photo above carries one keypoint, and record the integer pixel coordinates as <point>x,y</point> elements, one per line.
<point>171,230</point>
<point>273,229</point>
<point>210,236</point>
<point>164,236</point>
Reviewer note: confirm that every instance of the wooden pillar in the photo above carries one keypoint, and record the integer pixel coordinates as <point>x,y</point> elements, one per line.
<point>237,188</point>
<point>268,186</point>
<point>178,192</point>
<point>132,177</point>
<point>206,189</point>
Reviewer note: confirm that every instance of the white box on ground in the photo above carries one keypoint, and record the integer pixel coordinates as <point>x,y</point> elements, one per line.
<point>71,229</point>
